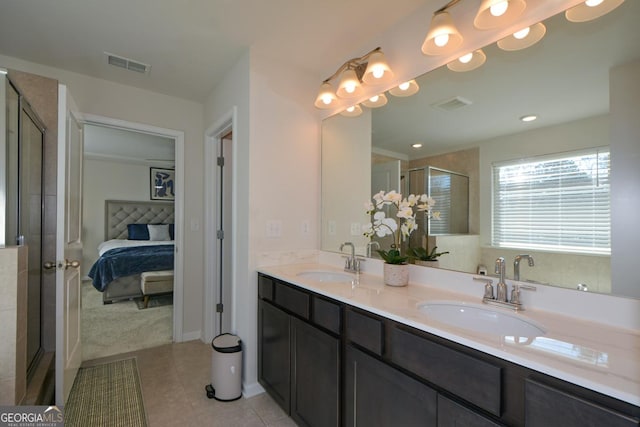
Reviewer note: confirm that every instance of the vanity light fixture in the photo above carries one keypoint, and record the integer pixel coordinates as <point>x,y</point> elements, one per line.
<point>443,37</point>
<point>498,13</point>
<point>375,101</point>
<point>326,96</point>
<point>528,118</point>
<point>591,9</point>
<point>405,89</point>
<point>524,38</point>
<point>468,62</point>
<point>353,111</point>
<point>371,69</point>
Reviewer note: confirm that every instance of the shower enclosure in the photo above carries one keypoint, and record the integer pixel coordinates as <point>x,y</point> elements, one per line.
<point>22,189</point>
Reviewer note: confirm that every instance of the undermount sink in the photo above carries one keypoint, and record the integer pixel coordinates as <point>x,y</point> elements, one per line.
<point>326,276</point>
<point>481,319</point>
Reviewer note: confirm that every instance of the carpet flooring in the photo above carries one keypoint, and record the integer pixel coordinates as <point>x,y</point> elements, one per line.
<point>106,395</point>
<point>109,329</point>
<point>155,301</point>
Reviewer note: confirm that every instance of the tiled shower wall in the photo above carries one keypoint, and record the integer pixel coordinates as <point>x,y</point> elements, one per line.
<point>13,318</point>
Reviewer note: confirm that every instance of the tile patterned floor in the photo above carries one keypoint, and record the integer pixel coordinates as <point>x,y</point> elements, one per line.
<point>173,378</point>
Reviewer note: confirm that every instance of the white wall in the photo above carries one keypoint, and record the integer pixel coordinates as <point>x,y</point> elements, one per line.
<point>625,177</point>
<point>345,142</point>
<point>117,101</point>
<point>107,180</point>
<point>278,168</point>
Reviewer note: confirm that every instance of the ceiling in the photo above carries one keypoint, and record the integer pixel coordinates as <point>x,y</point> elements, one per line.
<point>191,44</point>
<point>562,78</point>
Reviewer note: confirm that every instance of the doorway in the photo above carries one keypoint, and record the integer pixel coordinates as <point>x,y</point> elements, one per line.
<point>137,162</point>
<point>220,295</point>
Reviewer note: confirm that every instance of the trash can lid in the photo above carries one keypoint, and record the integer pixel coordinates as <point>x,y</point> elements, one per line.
<point>227,343</point>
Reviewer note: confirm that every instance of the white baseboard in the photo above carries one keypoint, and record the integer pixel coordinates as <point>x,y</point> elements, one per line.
<point>190,336</point>
<point>250,390</point>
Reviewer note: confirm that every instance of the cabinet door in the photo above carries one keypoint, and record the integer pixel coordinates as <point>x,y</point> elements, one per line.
<point>452,414</point>
<point>315,376</point>
<point>379,395</point>
<point>274,352</point>
<point>546,406</point>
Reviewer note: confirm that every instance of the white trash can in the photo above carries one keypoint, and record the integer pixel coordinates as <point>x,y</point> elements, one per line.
<point>226,368</point>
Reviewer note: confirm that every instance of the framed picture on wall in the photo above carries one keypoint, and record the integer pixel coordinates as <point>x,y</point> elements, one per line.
<point>162,184</point>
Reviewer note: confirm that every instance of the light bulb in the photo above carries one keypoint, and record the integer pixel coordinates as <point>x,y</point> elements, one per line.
<point>350,87</point>
<point>466,58</point>
<point>326,99</point>
<point>499,9</point>
<point>378,72</point>
<point>522,33</point>
<point>593,3</point>
<point>416,145</point>
<point>374,98</point>
<point>404,86</point>
<point>351,109</point>
<point>441,40</point>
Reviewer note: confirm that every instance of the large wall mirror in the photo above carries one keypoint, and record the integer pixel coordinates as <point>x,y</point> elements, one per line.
<point>469,123</point>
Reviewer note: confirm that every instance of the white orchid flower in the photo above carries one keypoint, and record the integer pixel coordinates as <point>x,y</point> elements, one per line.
<point>435,215</point>
<point>369,207</point>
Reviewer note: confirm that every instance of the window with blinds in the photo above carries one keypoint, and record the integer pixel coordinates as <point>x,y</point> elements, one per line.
<point>558,203</point>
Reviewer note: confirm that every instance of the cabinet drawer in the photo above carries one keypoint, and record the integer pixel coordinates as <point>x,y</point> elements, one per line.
<point>472,379</point>
<point>365,331</point>
<point>326,314</point>
<point>546,406</point>
<point>265,288</point>
<point>291,299</point>
<point>452,414</point>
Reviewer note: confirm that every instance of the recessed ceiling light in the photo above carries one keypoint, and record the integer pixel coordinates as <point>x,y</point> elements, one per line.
<point>528,118</point>
<point>416,145</point>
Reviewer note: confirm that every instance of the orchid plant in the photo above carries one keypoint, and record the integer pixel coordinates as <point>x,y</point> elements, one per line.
<point>399,227</point>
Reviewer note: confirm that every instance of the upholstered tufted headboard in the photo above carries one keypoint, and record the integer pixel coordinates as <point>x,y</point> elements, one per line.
<point>119,213</point>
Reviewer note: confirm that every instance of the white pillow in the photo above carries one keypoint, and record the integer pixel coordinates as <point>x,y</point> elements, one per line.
<point>159,232</point>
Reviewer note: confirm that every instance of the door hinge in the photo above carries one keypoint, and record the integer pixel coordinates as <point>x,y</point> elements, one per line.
<point>219,308</point>
<point>220,161</point>
<point>220,234</point>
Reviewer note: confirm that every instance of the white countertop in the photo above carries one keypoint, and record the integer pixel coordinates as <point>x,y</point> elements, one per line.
<point>597,356</point>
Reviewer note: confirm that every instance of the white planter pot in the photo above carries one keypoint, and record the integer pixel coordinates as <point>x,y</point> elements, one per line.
<point>434,264</point>
<point>396,274</point>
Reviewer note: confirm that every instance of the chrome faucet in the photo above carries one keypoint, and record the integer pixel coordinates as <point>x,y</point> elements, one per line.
<point>516,265</point>
<point>351,264</point>
<point>369,245</point>
<point>501,287</point>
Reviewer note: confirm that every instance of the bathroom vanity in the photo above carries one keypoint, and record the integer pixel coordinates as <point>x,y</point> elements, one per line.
<point>359,353</point>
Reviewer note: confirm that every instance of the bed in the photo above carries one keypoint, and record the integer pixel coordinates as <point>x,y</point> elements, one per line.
<point>117,271</point>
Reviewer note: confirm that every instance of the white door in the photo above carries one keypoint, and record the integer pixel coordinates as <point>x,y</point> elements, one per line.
<point>68,245</point>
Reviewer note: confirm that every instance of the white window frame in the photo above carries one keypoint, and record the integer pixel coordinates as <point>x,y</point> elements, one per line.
<point>512,238</point>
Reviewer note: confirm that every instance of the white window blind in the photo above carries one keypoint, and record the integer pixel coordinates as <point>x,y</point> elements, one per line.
<point>558,203</point>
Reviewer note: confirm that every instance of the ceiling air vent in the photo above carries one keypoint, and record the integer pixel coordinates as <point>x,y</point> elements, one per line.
<point>127,64</point>
<point>451,104</point>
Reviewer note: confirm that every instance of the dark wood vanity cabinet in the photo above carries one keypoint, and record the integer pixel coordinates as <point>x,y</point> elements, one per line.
<point>329,364</point>
<point>274,347</point>
<point>298,355</point>
<point>378,395</point>
<point>548,406</point>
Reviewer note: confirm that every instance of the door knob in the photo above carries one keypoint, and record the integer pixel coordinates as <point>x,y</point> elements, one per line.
<point>49,265</point>
<point>72,264</point>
